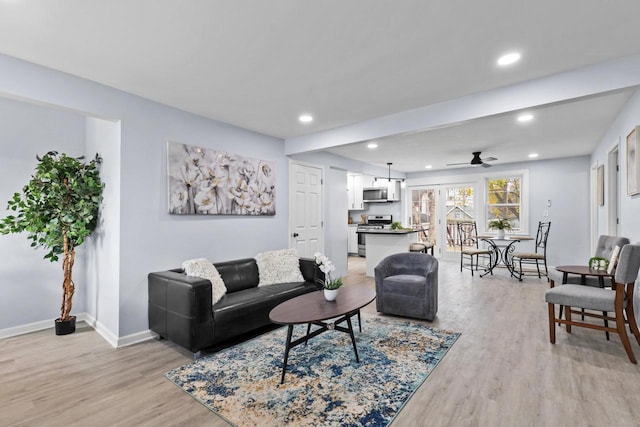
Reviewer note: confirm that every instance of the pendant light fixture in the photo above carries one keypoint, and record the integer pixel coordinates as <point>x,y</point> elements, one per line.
<point>389,176</point>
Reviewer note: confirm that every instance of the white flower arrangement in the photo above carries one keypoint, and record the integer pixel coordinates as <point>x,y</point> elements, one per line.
<point>327,267</point>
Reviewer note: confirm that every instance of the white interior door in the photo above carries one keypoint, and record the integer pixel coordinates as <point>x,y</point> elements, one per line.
<point>305,209</point>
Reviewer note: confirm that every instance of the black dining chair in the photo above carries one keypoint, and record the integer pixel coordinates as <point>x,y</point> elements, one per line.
<point>469,248</point>
<point>539,255</point>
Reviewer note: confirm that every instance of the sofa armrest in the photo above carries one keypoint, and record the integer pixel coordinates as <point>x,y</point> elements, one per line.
<point>311,272</point>
<point>180,309</point>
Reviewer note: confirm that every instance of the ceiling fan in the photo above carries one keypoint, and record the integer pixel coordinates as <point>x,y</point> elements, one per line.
<point>476,161</point>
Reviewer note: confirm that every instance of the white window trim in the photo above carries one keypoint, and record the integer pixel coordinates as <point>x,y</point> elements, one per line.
<point>486,191</point>
<point>479,182</point>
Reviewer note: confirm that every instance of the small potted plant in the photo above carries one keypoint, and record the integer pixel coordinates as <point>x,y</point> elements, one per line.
<point>501,225</point>
<point>330,286</point>
<point>58,208</point>
<point>598,263</point>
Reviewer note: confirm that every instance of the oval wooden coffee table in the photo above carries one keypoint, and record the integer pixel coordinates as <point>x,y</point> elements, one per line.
<point>312,308</point>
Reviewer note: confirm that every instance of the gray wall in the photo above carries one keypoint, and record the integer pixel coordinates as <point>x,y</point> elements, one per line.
<point>628,118</point>
<point>563,181</point>
<point>150,238</point>
<point>32,287</point>
<point>103,246</point>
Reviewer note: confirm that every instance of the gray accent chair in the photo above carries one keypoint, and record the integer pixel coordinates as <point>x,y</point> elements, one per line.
<point>618,300</point>
<point>604,249</point>
<point>407,285</point>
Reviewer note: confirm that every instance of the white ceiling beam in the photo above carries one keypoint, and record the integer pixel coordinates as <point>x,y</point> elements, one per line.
<point>587,81</point>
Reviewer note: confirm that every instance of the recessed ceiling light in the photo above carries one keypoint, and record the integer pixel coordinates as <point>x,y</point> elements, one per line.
<point>305,118</point>
<point>508,59</point>
<point>372,145</point>
<point>428,167</point>
<point>522,118</point>
<point>533,155</point>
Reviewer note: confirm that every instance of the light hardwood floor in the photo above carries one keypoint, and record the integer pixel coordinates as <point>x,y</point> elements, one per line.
<point>502,371</point>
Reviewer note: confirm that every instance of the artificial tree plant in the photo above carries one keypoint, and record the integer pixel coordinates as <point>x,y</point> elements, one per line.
<point>58,208</point>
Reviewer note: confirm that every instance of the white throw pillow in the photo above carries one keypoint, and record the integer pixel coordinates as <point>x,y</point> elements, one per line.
<point>202,267</point>
<point>281,266</point>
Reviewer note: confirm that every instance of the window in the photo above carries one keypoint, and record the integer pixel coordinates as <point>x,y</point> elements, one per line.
<point>504,200</point>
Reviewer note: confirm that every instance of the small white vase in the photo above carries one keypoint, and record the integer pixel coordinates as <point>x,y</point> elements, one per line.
<point>500,234</point>
<point>330,294</point>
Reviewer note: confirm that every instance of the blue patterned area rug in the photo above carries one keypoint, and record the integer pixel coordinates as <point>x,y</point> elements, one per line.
<point>324,385</point>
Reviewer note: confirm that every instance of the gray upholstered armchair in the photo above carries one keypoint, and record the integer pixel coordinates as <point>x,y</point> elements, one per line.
<point>604,248</point>
<point>407,285</point>
<point>618,300</point>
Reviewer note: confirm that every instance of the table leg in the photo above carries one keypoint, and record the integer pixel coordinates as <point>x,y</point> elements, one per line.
<point>286,352</point>
<point>308,330</point>
<point>492,263</point>
<point>353,338</point>
<point>508,262</point>
<point>359,322</point>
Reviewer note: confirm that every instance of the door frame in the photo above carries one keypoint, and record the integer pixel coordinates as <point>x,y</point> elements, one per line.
<point>441,225</point>
<point>613,190</point>
<point>408,206</point>
<point>291,207</point>
<point>478,201</point>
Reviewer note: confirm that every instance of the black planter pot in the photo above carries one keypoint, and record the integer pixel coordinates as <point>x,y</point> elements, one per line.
<point>66,327</point>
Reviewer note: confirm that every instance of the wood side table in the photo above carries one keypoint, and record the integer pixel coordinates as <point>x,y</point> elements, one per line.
<point>583,271</point>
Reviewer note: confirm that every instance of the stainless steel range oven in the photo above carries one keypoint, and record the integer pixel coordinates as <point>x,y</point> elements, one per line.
<point>374,222</point>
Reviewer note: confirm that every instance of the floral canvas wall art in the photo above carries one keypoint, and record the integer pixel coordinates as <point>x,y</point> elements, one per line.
<point>204,181</point>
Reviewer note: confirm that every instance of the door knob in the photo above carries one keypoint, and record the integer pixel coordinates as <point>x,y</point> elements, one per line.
<point>295,234</point>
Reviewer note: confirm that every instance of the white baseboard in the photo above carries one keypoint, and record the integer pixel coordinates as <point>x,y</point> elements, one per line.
<point>105,333</point>
<point>136,338</point>
<point>26,329</point>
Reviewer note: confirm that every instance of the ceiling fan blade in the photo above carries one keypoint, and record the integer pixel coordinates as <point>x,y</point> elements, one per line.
<point>486,165</point>
<point>456,164</point>
<point>489,159</point>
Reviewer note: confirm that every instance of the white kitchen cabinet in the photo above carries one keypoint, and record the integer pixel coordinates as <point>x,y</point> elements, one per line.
<point>352,245</point>
<point>372,182</point>
<point>355,186</point>
<point>394,188</point>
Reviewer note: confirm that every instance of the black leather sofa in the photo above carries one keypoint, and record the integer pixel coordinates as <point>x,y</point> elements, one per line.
<point>180,308</point>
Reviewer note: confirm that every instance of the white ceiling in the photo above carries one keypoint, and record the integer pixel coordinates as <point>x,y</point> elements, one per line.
<point>259,64</point>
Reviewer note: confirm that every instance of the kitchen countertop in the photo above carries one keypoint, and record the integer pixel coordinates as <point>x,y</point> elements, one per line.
<point>389,231</point>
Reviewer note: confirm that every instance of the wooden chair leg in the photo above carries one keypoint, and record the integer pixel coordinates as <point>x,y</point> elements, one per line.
<point>631,317</point>
<point>567,316</point>
<point>552,323</point>
<point>622,330</point>
<point>606,324</point>
<point>632,321</point>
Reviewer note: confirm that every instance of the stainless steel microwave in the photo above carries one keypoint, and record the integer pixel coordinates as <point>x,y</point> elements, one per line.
<point>375,195</point>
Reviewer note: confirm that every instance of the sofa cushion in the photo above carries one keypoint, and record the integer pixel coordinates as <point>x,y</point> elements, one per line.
<point>281,266</point>
<point>202,267</point>
<point>239,274</point>
<point>405,284</point>
<point>281,292</point>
